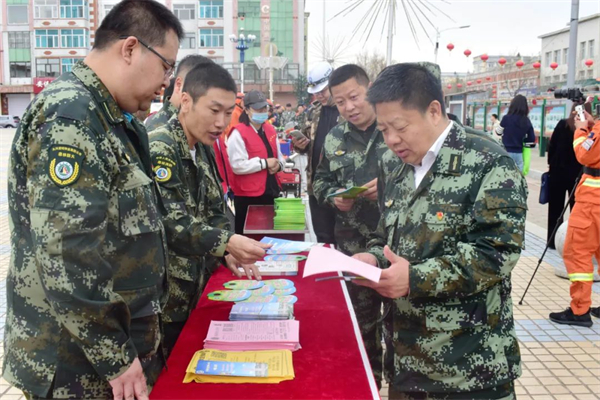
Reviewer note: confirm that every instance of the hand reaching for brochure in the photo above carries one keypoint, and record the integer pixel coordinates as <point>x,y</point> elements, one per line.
<point>371,193</point>
<point>394,281</point>
<point>131,384</point>
<point>344,205</point>
<point>246,250</point>
<point>250,270</point>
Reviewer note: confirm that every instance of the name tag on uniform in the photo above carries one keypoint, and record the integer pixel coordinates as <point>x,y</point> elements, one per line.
<point>587,145</point>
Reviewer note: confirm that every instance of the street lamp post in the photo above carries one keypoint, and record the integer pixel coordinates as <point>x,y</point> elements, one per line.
<point>242,43</point>
<point>437,37</point>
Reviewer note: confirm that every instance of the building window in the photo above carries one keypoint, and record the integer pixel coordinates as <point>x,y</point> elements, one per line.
<point>68,63</point>
<point>73,38</point>
<point>211,8</point>
<point>565,55</point>
<point>564,77</point>
<point>556,78</point>
<point>189,41</point>
<point>47,67</point>
<point>17,14</point>
<point>582,50</point>
<point>556,56</point>
<point>19,40</point>
<point>20,69</point>
<point>211,37</point>
<point>46,9</point>
<point>591,50</point>
<point>548,79</point>
<point>46,38</point>
<point>548,57</point>
<point>72,8</point>
<point>184,12</point>
<point>590,73</point>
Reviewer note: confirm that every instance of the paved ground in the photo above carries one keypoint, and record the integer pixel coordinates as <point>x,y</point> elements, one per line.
<point>559,362</point>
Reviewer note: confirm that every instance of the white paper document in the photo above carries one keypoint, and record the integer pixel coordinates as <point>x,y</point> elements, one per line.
<point>324,259</point>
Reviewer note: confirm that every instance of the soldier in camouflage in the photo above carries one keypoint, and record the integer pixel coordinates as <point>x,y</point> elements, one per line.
<point>351,156</point>
<point>171,103</point>
<point>450,234</point>
<point>198,231</point>
<point>287,116</point>
<point>86,281</point>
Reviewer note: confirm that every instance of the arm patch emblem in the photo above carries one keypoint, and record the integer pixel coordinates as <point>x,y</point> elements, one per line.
<point>65,162</point>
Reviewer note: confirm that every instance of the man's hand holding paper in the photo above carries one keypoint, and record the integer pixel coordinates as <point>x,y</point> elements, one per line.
<point>371,192</point>
<point>394,281</point>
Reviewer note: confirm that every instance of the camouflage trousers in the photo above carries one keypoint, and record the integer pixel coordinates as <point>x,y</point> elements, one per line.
<point>502,392</point>
<point>367,307</point>
<point>76,378</point>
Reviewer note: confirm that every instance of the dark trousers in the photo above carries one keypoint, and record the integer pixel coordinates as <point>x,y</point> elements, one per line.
<point>171,332</point>
<point>559,186</point>
<point>502,392</point>
<point>241,204</point>
<point>323,221</point>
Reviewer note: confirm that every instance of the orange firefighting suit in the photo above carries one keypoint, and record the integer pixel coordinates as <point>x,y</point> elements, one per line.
<point>583,234</point>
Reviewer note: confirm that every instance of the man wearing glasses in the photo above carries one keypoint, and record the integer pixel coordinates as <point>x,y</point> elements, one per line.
<point>87,280</point>
<point>323,116</point>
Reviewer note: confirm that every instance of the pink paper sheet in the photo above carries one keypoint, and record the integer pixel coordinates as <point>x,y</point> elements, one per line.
<point>324,259</point>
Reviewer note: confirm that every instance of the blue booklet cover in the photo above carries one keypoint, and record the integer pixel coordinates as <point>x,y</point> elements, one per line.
<point>208,367</point>
<point>282,246</point>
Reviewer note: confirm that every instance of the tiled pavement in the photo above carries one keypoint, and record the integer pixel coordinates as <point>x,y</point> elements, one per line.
<point>559,362</point>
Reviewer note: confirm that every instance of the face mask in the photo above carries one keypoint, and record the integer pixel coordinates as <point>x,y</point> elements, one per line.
<point>259,118</point>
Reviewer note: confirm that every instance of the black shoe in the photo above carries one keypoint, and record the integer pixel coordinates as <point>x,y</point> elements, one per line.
<point>595,311</point>
<point>568,318</point>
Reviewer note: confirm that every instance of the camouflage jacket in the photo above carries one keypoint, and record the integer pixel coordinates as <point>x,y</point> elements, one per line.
<point>462,231</point>
<point>196,224</point>
<point>309,130</point>
<point>350,158</point>
<point>87,270</point>
<point>161,117</point>
<point>287,116</point>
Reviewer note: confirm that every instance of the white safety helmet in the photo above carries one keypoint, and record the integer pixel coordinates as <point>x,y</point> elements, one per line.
<point>318,77</point>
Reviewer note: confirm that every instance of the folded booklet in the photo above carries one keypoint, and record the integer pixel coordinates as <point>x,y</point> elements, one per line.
<point>323,259</point>
<point>350,193</point>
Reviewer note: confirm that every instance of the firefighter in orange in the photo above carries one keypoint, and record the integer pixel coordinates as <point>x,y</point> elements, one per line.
<point>583,234</point>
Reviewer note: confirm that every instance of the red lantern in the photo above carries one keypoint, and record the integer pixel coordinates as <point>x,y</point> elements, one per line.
<point>488,78</point>
<point>459,85</point>
<point>450,46</point>
<point>484,57</point>
<point>469,83</point>
<point>502,61</point>
<point>449,86</point>
<point>520,64</point>
<point>478,81</point>
<point>534,102</point>
<point>589,63</point>
<point>554,66</point>
<point>467,52</point>
<point>537,65</point>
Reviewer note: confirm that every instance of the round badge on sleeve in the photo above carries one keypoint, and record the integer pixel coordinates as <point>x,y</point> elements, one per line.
<point>163,174</point>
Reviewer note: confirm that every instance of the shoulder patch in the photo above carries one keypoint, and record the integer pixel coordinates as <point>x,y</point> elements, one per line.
<point>65,162</point>
<point>163,169</point>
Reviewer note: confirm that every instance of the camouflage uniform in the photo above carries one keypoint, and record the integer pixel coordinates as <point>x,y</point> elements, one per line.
<point>462,232</point>
<point>196,224</point>
<point>301,120</point>
<point>287,116</point>
<point>351,158</point>
<point>87,270</point>
<point>162,116</point>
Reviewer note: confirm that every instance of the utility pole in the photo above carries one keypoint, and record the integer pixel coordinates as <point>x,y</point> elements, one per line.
<point>390,38</point>
<point>572,61</point>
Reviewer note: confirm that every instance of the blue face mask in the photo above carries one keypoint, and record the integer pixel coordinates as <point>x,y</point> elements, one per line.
<point>260,118</point>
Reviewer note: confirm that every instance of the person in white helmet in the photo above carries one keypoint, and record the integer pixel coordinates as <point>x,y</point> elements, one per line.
<point>322,117</point>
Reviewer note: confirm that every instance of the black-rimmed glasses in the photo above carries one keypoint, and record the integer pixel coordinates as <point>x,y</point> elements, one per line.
<point>169,71</point>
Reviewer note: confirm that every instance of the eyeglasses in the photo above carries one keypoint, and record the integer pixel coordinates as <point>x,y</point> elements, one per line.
<point>169,71</point>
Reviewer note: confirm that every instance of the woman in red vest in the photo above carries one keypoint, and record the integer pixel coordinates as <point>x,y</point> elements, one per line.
<point>255,158</point>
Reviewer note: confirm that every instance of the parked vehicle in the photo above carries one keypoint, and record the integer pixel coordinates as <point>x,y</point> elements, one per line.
<point>9,121</point>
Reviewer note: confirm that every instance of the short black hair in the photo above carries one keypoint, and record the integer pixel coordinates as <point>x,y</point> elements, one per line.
<point>148,20</point>
<point>411,84</point>
<point>347,72</point>
<point>288,105</point>
<point>207,76</point>
<point>169,90</point>
<point>495,116</point>
<point>189,62</point>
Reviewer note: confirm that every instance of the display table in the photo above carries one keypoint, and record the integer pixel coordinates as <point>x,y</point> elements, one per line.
<point>259,223</point>
<point>332,363</point>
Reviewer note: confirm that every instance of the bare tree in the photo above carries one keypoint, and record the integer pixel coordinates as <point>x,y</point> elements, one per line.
<point>373,63</point>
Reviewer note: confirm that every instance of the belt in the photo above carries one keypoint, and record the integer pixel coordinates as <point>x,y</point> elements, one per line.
<point>592,171</point>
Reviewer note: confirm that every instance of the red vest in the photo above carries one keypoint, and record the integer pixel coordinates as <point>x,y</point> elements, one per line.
<point>254,185</point>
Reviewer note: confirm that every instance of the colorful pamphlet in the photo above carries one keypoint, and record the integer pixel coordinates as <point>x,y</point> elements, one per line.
<point>323,259</point>
<point>243,285</point>
<point>277,268</point>
<point>230,295</point>
<point>224,368</point>
<point>350,193</point>
<point>282,246</point>
<point>284,257</point>
<point>253,335</point>
<point>261,311</point>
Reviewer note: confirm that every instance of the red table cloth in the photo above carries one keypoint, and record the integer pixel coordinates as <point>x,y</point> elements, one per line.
<point>332,363</point>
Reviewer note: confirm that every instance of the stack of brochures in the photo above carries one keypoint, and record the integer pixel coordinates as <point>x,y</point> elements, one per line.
<point>253,335</point>
<point>214,366</point>
<point>290,214</point>
<point>261,311</point>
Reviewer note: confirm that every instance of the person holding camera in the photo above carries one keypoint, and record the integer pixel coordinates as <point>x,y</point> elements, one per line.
<point>583,234</point>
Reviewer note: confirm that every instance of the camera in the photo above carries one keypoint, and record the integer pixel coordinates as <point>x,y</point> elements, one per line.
<point>573,94</point>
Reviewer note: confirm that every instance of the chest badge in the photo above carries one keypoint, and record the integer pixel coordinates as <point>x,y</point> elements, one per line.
<point>440,215</point>
<point>389,203</point>
<point>340,153</point>
<point>127,157</point>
